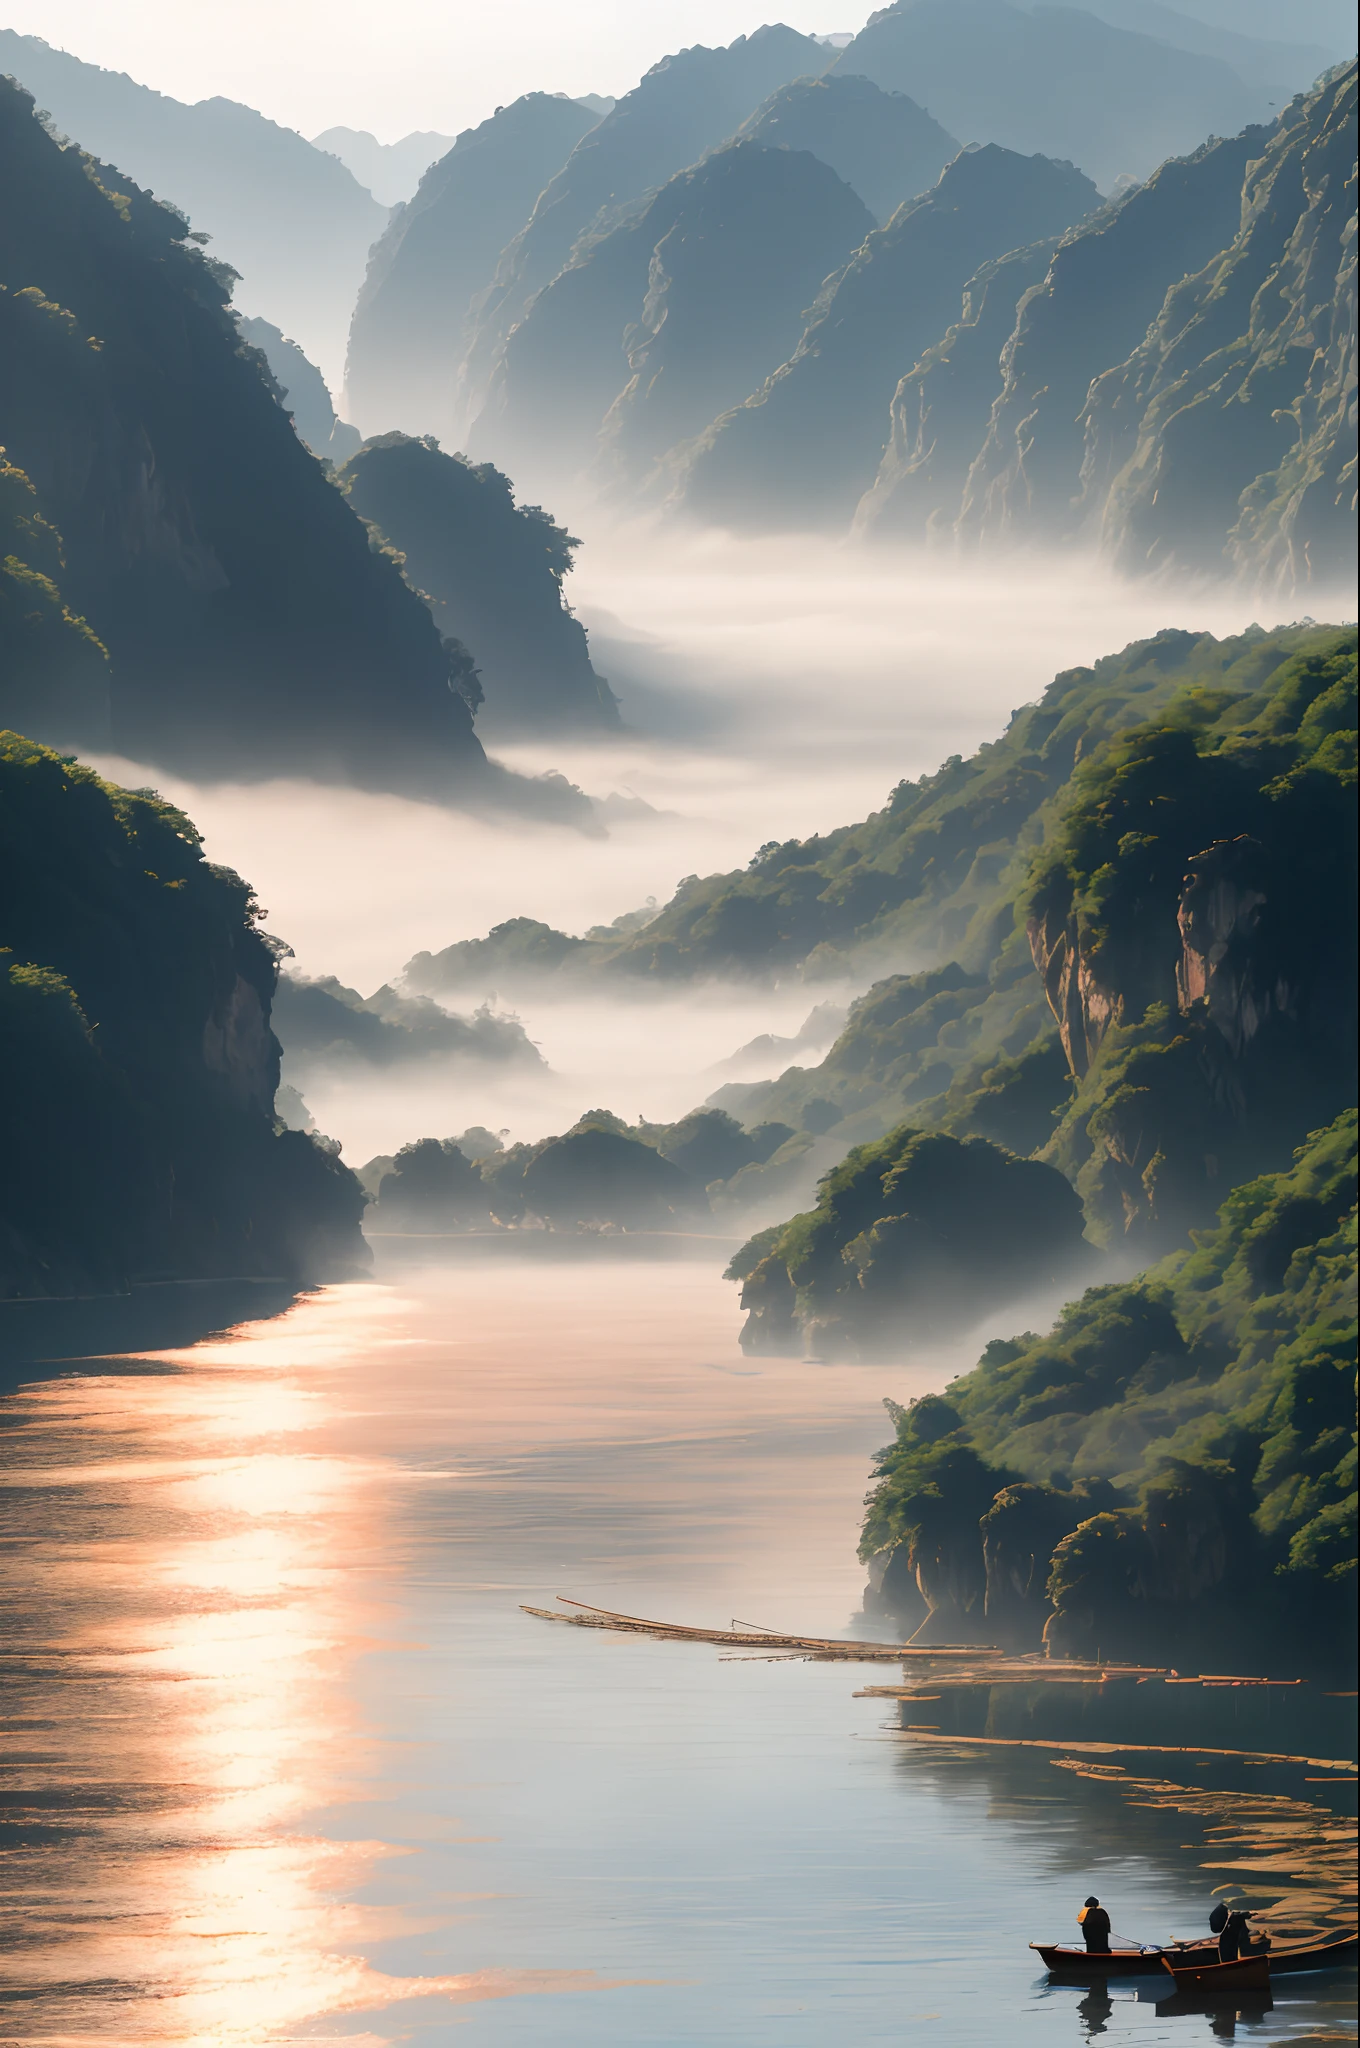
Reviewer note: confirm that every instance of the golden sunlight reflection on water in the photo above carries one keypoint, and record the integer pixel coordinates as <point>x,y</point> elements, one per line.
<point>283,1761</point>
<point>203,1551</point>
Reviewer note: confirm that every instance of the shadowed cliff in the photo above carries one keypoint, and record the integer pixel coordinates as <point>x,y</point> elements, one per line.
<point>135,994</point>
<point>491,572</point>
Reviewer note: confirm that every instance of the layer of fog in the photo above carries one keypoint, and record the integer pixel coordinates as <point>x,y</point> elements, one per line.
<point>771,689</point>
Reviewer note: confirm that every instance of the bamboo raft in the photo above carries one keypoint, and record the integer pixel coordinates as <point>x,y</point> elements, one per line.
<point>979,1661</point>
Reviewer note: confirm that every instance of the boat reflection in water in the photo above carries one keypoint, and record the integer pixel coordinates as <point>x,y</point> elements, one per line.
<point>285,1760</point>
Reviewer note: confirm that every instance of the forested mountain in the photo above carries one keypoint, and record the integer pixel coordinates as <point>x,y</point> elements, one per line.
<point>251,628</point>
<point>1175,388</point>
<point>491,572</point>
<point>804,447</point>
<point>686,104</point>
<point>389,170</point>
<point>303,392</point>
<point>1169,1473</point>
<point>672,316</point>
<point>291,219</point>
<point>54,671</point>
<point>885,147</point>
<point>438,252</point>
<point>1054,80</point>
<point>1138,971</point>
<point>135,992</point>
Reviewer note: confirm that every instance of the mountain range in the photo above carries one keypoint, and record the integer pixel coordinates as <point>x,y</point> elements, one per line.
<point>290,219</point>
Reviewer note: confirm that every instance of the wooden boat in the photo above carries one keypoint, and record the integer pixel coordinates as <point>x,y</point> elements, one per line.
<point>1248,1973</point>
<point>1069,1959</point>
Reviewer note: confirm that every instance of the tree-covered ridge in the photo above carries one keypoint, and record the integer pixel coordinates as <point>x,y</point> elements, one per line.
<point>1154,977</point>
<point>491,572</point>
<point>1175,1461</point>
<point>909,1237</point>
<point>142,1142</point>
<point>931,873</point>
<point>250,626</point>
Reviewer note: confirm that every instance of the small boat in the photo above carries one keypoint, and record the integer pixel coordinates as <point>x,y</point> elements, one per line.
<point>1073,1959</point>
<point>1248,1973</point>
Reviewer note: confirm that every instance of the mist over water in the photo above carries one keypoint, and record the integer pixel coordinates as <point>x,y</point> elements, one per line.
<point>770,689</point>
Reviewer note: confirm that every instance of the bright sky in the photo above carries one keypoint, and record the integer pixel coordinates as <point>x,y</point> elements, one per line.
<point>441,64</point>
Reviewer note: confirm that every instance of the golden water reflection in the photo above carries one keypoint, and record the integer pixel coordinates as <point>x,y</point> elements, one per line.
<point>193,1568</point>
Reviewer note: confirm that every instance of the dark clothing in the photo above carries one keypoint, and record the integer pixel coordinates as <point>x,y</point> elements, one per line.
<point>1094,1922</point>
<point>1235,1938</point>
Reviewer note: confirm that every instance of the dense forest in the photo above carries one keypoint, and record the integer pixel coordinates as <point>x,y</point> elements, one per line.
<point>135,1006</point>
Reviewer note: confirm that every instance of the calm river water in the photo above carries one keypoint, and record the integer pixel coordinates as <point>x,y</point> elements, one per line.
<point>284,1761</point>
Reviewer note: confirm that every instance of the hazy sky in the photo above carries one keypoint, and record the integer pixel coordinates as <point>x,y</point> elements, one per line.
<point>312,64</point>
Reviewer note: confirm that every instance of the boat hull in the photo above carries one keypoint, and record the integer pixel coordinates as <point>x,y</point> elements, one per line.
<point>1248,1973</point>
<point>1063,1960</point>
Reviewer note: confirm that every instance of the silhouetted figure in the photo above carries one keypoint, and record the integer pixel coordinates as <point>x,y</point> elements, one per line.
<point>1094,1923</point>
<point>1229,1923</point>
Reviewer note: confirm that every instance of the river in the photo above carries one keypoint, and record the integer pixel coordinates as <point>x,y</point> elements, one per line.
<point>285,1761</point>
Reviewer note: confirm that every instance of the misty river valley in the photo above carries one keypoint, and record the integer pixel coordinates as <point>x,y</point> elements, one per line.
<point>285,1760</point>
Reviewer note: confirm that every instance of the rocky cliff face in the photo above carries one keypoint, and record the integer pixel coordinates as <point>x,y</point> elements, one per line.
<point>806,446</point>
<point>942,409</point>
<point>251,629</point>
<point>1104,287</point>
<point>435,255</point>
<point>1227,436</point>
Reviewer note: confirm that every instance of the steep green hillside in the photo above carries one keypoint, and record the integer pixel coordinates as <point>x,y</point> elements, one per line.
<point>437,252</point>
<point>291,219</point>
<point>491,572</point>
<point>1153,981</point>
<point>804,447</point>
<point>885,147</point>
<point>1053,79</point>
<point>686,104</point>
<point>251,628</point>
<point>911,1237</point>
<point>671,316</point>
<point>135,993</point>
<point>1171,1470</point>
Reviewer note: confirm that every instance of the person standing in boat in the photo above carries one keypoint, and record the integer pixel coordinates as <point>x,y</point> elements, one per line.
<point>1229,1922</point>
<point>1094,1923</point>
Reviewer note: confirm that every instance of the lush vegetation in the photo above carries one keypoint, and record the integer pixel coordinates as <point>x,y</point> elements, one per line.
<point>135,992</point>
<point>1174,1464</point>
<point>910,1236</point>
<point>491,572</point>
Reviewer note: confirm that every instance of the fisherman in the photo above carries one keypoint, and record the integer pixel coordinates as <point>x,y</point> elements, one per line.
<point>1094,1923</point>
<point>1229,1922</point>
